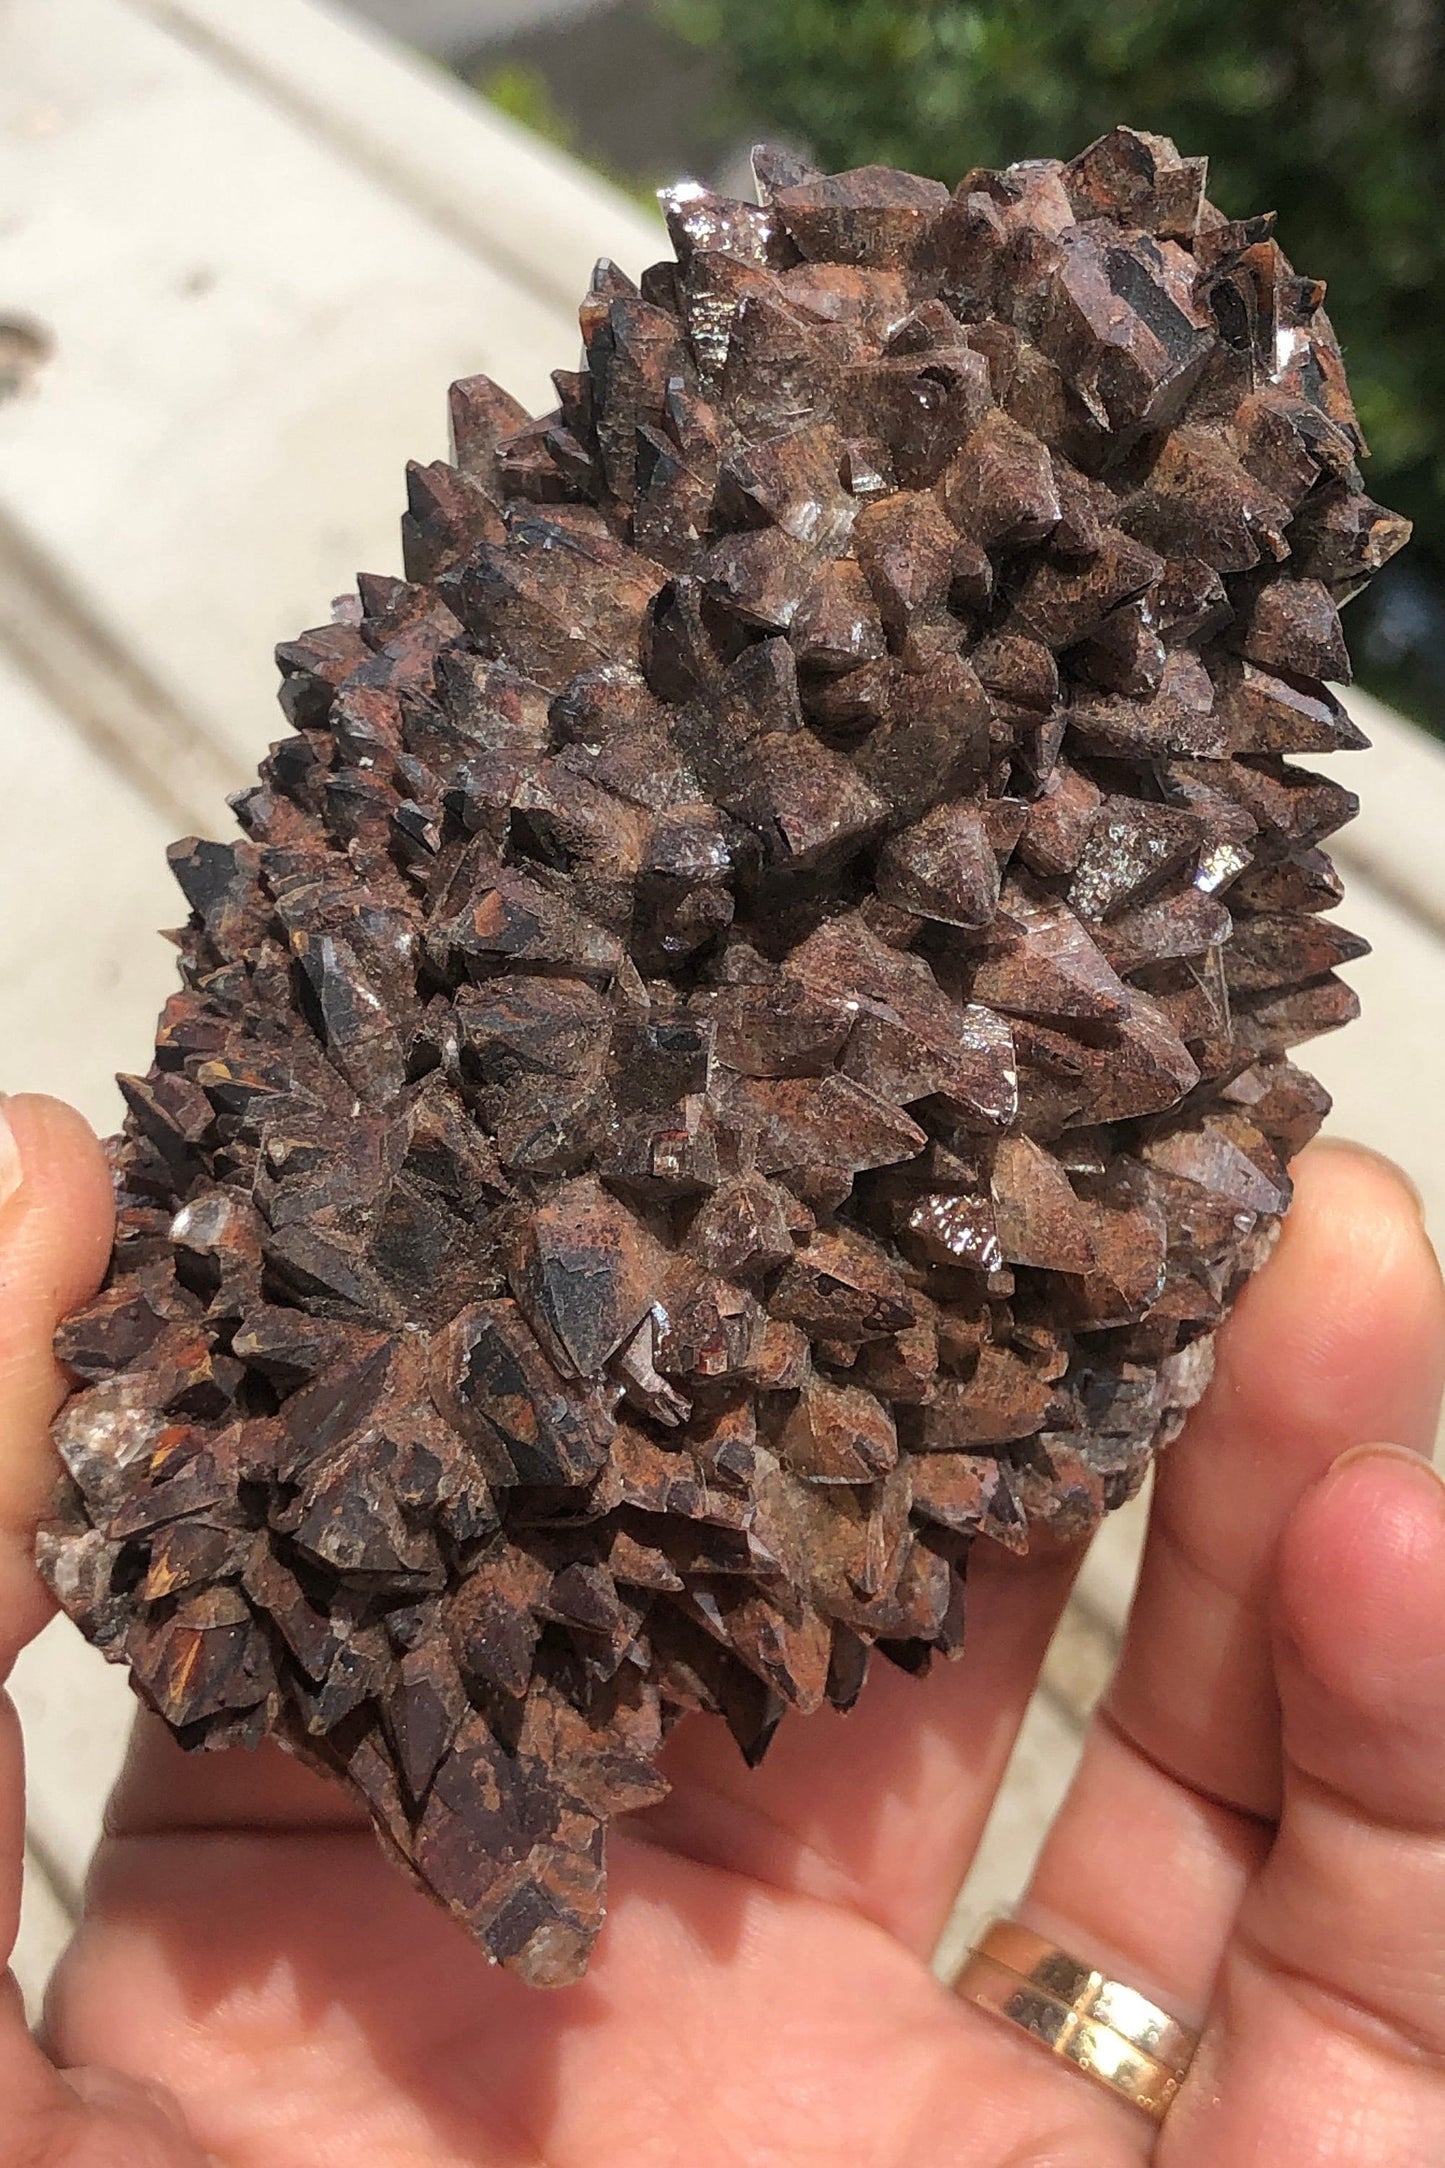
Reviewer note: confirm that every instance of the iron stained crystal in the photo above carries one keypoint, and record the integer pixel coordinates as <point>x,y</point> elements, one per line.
<point>742,1048</point>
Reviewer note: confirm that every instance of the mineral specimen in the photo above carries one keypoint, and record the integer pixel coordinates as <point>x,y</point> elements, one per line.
<point>742,1048</point>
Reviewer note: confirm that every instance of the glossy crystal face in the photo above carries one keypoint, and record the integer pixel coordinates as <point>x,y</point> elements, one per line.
<point>742,1049</point>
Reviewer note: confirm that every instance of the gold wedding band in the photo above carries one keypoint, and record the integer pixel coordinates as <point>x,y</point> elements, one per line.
<point>1108,2002</point>
<point>1102,2027</point>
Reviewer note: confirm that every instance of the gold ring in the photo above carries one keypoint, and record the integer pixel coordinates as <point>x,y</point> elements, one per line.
<point>1105,2029</point>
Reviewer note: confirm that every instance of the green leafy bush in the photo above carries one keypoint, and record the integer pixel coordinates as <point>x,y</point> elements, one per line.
<point>1331,112</point>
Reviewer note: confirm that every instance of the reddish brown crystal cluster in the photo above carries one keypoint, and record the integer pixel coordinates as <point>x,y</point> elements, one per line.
<point>743,1047</point>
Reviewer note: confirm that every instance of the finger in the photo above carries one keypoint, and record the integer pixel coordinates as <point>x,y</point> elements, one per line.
<point>55,1222</point>
<point>1172,1808</point>
<point>55,1228</point>
<point>1327,2041</point>
<point>1341,1340</point>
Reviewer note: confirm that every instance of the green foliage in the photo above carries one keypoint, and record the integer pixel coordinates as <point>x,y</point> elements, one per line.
<point>522,94</point>
<point>1331,112</point>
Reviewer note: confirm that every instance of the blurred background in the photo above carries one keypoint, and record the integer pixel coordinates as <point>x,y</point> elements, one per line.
<point>244,247</point>
<point>1331,112</point>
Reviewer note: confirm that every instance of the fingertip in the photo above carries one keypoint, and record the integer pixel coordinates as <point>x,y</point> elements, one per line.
<point>59,1196</point>
<point>55,1233</point>
<point>1353,1203</point>
<point>1360,1630</point>
<point>1343,1334</point>
<point>1318,1158</point>
<point>1339,1338</point>
<point>1360,1577</point>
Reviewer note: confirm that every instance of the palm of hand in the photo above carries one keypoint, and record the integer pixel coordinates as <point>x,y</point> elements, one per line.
<point>761,1993</point>
<point>326,2014</point>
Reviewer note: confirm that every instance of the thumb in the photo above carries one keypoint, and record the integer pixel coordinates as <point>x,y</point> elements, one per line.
<point>55,1226</point>
<point>55,1223</point>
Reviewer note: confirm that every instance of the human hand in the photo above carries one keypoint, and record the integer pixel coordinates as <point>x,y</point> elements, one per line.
<point>1256,1837</point>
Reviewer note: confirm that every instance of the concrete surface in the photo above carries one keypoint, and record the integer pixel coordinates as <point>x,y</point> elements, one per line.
<point>453,27</point>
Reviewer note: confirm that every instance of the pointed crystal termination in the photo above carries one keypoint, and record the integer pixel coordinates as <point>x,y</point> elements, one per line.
<point>742,1050</point>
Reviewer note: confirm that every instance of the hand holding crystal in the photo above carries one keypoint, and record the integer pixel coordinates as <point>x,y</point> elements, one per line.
<point>1254,1839</point>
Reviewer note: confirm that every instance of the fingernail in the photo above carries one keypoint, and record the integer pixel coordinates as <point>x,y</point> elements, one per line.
<point>12,1169</point>
<point>1428,1474</point>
